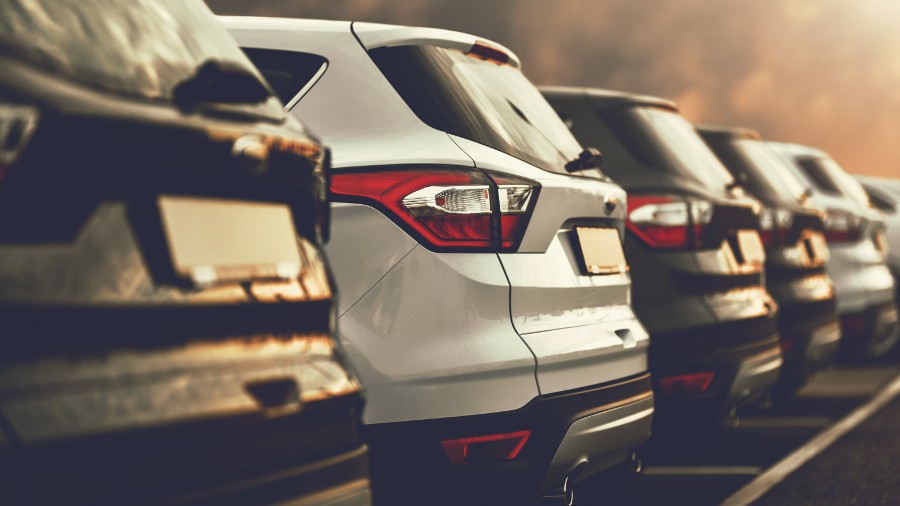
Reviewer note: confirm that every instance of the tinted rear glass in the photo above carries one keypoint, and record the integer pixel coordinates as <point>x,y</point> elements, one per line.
<point>288,72</point>
<point>674,138</point>
<point>829,177</point>
<point>130,47</point>
<point>485,102</point>
<point>767,171</point>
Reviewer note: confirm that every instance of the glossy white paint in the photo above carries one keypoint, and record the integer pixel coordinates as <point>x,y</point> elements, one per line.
<point>433,339</point>
<point>434,335</point>
<point>353,108</point>
<point>365,245</point>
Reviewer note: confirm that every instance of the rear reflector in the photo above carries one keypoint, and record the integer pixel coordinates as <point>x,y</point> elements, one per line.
<point>696,383</point>
<point>787,346</point>
<point>853,323</point>
<point>485,449</point>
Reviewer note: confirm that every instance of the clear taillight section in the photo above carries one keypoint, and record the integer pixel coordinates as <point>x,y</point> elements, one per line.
<point>774,225</point>
<point>446,208</point>
<point>667,222</point>
<point>841,226</point>
<point>17,123</point>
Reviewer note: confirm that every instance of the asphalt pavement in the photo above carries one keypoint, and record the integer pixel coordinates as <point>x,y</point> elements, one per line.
<point>861,467</point>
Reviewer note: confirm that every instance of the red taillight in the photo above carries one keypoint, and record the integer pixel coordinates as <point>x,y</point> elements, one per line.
<point>17,123</point>
<point>668,222</point>
<point>448,208</point>
<point>774,225</point>
<point>485,449</point>
<point>787,346</point>
<point>841,226</point>
<point>695,383</point>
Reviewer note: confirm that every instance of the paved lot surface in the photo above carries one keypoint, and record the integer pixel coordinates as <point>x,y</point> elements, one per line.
<point>861,468</point>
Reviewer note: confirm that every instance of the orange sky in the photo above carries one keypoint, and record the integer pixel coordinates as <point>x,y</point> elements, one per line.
<point>819,72</point>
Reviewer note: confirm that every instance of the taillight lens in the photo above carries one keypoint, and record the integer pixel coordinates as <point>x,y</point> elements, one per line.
<point>774,225</point>
<point>841,226</point>
<point>668,222</point>
<point>447,208</point>
<point>17,123</point>
<point>485,449</point>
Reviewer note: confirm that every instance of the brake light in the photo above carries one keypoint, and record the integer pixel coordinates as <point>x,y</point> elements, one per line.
<point>446,208</point>
<point>695,383</point>
<point>841,226</point>
<point>774,225</point>
<point>668,222</point>
<point>491,54</point>
<point>485,449</point>
<point>17,123</point>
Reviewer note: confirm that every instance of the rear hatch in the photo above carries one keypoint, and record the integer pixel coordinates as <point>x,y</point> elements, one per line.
<point>561,246</point>
<point>166,313</point>
<point>692,233</point>
<point>792,232</point>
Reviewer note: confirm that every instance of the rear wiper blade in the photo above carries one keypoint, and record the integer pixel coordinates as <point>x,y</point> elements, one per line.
<point>590,158</point>
<point>220,81</point>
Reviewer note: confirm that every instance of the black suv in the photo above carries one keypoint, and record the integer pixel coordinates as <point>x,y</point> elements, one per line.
<point>796,252</point>
<point>165,308</point>
<point>696,257</point>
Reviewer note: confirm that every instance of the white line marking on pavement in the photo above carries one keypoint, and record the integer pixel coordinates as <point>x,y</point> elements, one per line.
<point>702,470</point>
<point>764,482</point>
<point>774,422</point>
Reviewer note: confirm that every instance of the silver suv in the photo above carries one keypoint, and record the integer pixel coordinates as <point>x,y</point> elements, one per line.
<point>485,298</point>
<point>856,237</point>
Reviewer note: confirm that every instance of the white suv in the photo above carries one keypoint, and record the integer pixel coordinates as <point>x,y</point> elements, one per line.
<point>485,299</point>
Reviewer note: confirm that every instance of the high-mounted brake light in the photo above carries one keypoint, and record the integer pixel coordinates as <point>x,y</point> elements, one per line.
<point>774,225</point>
<point>668,222</point>
<point>841,226</point>
<point>485,449</point>
<point>486,52</point>
<point>17,123</point>
<point>447,208</point>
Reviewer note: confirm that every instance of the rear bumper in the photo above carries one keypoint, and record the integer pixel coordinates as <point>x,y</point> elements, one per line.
<point>338,480</point>
<point>745,357</point>
<point>587,430</point>
<point>810,336</point>
<point>876,324</point>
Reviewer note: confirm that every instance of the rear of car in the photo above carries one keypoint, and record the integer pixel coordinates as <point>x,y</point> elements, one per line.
<point>695,252</point>
<point>796,252</point>
<point>884,193</point>
<point>484,293</point>
<point>166,311</point>
<point>856,238</point>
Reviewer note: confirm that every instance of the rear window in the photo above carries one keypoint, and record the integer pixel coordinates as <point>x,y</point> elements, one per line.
<point>675,140</point>
<point>485,102</point>
<point>141,49</point>
<point>767,171</point>
<point>829,177</point>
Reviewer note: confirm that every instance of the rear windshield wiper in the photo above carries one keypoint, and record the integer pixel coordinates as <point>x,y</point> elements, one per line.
<point>220,81</point>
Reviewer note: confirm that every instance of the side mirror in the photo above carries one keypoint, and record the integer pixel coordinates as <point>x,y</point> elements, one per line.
<point>590,158</point>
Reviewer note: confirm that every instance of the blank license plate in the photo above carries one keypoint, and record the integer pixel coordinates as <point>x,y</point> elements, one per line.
<point>601,249</point>
<point>213,240</point>
<point>752,247</point>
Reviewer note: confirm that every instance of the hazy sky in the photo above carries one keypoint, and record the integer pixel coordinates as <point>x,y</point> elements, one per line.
<point>818,72</point>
